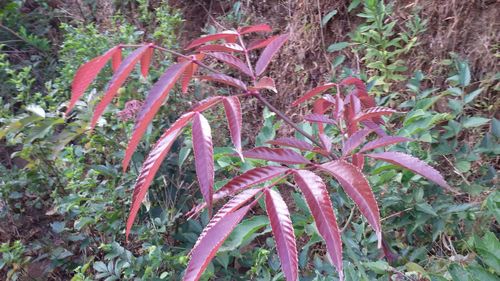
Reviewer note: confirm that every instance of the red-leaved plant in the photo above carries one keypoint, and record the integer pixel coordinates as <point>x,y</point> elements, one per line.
<point>350,109</point>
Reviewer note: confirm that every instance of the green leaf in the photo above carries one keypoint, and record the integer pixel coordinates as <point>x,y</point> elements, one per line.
<point>471,122</point>
<point>328,17</point>
<point>411,266</point>
<point>463,166</point>
<point>458,273</point>
<point>338,61</point>
<point>489,249</point>
<point>426,208</point>
<point>495,127</point>
<point>337,46</point>
<point>183,155</point>
<point>58,226</point>
<point>379,267</point>
<point>245,232</point>
<point>464,74</point>
<point>354,4</point>
<point>493,204</point>
<point>100,267</point>
<point>480,273</point>
<point>36,109</point>
<point>469,97</point>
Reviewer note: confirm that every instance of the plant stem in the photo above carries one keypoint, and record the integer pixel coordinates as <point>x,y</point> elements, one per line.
<point>289,121</point>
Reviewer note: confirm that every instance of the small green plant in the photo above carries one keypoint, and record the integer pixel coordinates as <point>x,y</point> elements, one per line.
<point>381,46</point>
<point>13,259</point>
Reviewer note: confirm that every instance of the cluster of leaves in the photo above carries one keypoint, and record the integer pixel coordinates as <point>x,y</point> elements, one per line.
<point>380,45</point>
<point>75,187</point>
<point>352,111</point>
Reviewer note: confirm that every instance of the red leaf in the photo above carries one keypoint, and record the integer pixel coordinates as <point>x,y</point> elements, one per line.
<point>320,106</point>
<point>232,107</point>
<point>383,141</point>
<point>227,47</point>
<point>203,157</point>
<point>373,112</point>
<point>206,103</point>
<point>154,100</point>
<point>354,141</point>
<point>282,228</point>
<point>146,61</point>
<point>255,28</point>
<point>86,74</point>
<point>326,141</point>
<point>222,78</point>
<point>265,83</point>
<point>318,200</point>
<point>319,118</point>
<point>211,242</point>
<point>268,53</point>
<point>413,164</point>
<point>357,187</point>
<point>292,142</point>
<point>190,70</point>
<point>314,92</point>
<point>280,155</point>
<point>248,179</point>
<point>117,81</point>
<point>232,205</point>
<point>361,93</point>
<point>376,128</point>
<point>186,77</point>
<point>229,34</point>
<point>358,160</point>
<point>339,107</point>
<point>260,43</point>
<point>116,59</point>
<point>233,61</point>
<point>360,85</point>
<point>151,165</point>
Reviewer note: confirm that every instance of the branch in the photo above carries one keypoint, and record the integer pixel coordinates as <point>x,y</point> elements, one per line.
<point>290,122</point>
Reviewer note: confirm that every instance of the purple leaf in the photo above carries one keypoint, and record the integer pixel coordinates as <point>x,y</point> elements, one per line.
<point>203,157</point>
<point>282,228</point>
<point>268,53</point>
<point>357,187</point>
<point>413,164</point>
<point>318,200</point>
<point>280,155</point>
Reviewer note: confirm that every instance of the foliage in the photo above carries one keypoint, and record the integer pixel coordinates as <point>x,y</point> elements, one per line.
<point>66,206</point>
<point>352,109</point>
<point>381,46</point>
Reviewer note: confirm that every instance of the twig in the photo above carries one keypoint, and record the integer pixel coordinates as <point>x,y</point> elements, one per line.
<point>21,38</point>
<point>348,221</point>
<point>456,171</point>
<point>396,214</point>
<point>290,122</point>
